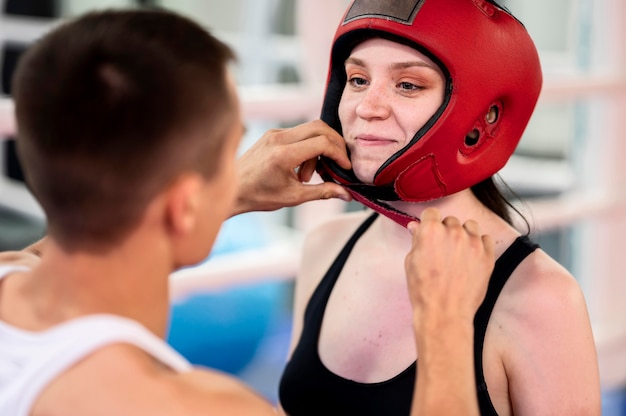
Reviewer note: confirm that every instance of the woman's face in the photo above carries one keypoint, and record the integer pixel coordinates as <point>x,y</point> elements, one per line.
<point>391,92</point>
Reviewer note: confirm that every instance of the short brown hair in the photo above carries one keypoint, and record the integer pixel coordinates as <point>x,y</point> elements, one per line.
<point>105,104</point>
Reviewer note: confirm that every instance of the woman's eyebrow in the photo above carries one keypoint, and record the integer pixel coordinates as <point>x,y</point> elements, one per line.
<point>354,61</point>
<point>394,66</point>
<point>404,65</point>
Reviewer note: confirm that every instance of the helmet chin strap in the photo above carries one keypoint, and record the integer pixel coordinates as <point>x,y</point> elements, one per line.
<point>372,196</point>
<point>388,211</point>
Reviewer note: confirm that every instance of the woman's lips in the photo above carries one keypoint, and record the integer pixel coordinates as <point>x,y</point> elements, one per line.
<point>367,140</point>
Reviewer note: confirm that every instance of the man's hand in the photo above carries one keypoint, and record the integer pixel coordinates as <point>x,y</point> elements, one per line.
<point>448,269</point>
<point>29,257</point>
<point>274,171</point>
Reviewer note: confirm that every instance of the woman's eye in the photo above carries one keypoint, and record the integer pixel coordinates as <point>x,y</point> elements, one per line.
<point>408,86</point>
<point>357,82</point>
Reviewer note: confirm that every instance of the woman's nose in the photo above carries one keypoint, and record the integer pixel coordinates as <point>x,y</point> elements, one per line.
<point>373,104</point>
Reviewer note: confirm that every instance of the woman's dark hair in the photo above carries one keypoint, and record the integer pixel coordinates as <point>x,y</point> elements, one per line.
<point>490,195</point>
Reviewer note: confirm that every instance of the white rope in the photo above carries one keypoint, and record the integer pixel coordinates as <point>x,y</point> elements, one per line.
<point>7,118</point>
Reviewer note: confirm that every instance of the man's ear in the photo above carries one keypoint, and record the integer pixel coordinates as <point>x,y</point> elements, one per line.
<point>183,203</point>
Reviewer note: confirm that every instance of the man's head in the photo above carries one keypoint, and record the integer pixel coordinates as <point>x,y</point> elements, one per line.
<point>111,109</point>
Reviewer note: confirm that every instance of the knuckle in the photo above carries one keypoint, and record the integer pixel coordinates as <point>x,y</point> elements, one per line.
<point>277,159</point>
<point>275,136</point>
<point>317,123</point>
<point>471,223</point>
<point>409,262</point>
<point>292,198</point>
<point>326,195</point>
<point>455,229</point>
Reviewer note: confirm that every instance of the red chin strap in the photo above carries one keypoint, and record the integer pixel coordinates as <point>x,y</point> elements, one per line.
<point>493,83</point>
<point>398,216</point>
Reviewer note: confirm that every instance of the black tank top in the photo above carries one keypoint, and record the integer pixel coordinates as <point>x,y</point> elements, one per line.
<point>307,387</point>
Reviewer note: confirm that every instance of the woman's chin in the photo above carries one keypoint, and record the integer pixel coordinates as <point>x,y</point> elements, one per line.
<point>366,179</point>
<point>364,175</point>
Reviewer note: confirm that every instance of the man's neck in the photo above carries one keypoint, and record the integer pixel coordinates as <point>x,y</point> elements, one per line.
<point>125,281</point>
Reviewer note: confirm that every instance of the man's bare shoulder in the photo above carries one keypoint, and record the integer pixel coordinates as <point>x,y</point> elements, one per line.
<point>122,379</point>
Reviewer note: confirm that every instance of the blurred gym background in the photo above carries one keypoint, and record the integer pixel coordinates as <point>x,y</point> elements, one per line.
<point>233,311</point>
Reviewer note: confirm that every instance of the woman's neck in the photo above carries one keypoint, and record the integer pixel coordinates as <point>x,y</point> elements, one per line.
<point>465,206</point>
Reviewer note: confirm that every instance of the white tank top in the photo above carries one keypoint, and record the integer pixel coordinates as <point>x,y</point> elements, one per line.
<point>29,361</point>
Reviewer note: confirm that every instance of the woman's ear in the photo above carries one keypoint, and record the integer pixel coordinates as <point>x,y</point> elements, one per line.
<point>183,203</point>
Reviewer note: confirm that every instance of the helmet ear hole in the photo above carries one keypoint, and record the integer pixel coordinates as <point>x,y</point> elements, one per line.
<point>472,137</point>
<point>493,114</point>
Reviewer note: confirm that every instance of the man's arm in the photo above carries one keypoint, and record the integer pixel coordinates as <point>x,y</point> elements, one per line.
<point>448,270</point>
<point>272,175</point>
<point>274,171</point>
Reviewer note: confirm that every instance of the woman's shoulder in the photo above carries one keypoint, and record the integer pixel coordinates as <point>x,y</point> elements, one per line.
<point>546,340</point>
<point>323,243</point>
<point>541,275</point>
<point>540,287</point>
<point>337,229</point>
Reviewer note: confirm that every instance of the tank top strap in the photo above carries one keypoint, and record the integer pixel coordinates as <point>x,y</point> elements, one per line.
<point>6,270</point>
<point>504,267</point>
<point>30,361</point>
<point>322,292</point>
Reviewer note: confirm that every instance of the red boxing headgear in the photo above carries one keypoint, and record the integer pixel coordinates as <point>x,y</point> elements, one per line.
<point>493,82</point>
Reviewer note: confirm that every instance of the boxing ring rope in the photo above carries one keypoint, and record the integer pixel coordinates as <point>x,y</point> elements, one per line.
<point>7,119</point>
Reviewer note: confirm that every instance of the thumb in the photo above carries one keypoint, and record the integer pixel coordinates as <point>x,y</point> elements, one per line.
<point>326,190</point>
<point>413,226</point>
